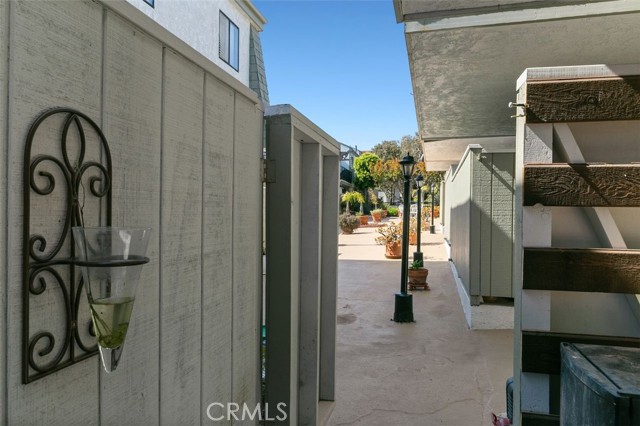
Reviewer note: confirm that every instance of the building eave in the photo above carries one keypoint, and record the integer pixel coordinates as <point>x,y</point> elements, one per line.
<point>258,21</point>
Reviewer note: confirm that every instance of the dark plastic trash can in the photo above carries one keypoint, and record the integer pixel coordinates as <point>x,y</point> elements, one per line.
<point>599,385</point>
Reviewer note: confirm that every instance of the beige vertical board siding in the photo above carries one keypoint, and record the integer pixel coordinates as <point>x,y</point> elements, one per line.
<point>131,123</point>
<point>180,242</point>
<point>309,284</point>
<point>481,236</point>
<point>295,254</point>
<point>55,60</point>
<point>329,276</point>
<point>502,229</point>
<point>460,219</point>
<point>279,268</point>
<point>4,40</point>
<point>246,251</point>
<point>217,245</point>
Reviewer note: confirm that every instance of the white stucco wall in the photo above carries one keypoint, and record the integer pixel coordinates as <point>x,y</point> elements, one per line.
<point>196,23</point>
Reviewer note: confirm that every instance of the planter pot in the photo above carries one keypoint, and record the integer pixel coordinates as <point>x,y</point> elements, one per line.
<point>393,250</point>
<point>364,220</point>
<point>377,217</point>
<point>413,238</point>
<point>347,231</point>
<point>384,214</point>
<point>418,279</point>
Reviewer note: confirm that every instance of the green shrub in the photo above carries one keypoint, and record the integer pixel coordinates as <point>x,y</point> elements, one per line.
<point>392,212</point>
<point>348,222</point>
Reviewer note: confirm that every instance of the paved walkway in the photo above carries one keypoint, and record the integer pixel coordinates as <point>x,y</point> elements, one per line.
<point>432,372</point>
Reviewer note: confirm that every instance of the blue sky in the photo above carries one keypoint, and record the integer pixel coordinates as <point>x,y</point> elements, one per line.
<point>343,64</point>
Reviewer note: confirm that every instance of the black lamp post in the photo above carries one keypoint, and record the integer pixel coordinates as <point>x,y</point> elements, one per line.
<point>432,228</point>
<point>404,301</point>
<point>417,255</point>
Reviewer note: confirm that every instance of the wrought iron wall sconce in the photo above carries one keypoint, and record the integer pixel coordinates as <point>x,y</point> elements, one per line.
<point>68,181</point>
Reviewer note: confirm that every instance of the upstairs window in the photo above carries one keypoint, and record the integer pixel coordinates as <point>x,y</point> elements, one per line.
<point>229,48</point>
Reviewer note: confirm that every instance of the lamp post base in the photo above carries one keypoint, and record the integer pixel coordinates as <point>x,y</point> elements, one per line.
<point>432,229</point>
<point>417,256</point>
<point>404,308</point>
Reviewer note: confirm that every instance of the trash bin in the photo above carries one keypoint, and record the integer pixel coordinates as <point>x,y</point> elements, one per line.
<point>599,385</point>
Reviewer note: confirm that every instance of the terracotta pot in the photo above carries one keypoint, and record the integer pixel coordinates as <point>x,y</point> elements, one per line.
<point>364,220</point>
<point>384,214</point>
<point>377,217</point>
<point>418,278</point>
<point>413,238</point>
<point>393,250</point>
<point>347,231</point>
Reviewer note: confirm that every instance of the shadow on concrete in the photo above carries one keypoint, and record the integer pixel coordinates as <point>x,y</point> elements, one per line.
<point>432,372</point>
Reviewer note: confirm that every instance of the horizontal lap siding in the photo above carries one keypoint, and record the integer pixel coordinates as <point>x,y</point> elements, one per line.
<point>582,185</point>
<point>585,270</point>
<point>584,100</point>
<point>550,272</point>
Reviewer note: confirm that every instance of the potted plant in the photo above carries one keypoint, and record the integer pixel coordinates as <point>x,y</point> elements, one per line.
<point>418,276</point>
<point>364,219</point>
<point>391,238</point>
<point>348,223</point>
<point>351,198</point>
<point>377,215</point>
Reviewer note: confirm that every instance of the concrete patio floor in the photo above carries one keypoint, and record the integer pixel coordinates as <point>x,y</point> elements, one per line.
<point>432,372</point>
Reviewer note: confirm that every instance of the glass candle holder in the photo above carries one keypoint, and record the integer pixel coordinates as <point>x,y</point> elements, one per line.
<point>111,260</point>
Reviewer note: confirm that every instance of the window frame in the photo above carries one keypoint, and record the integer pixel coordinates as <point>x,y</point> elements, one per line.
<point>232,37</point>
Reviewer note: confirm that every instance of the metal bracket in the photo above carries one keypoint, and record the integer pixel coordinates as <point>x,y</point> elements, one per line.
<point>55,332</point>
<point>517,105</point>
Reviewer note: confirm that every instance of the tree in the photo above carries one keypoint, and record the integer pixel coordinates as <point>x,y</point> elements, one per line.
<point>387,176</point>
<point>373,198</point>
<point>387,150</point>
<point>362,166</point>
<point>430,177</point>
<point>412,145</point>
<point>351,198</point>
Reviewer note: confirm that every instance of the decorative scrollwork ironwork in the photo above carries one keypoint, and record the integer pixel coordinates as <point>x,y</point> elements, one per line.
<point>47,263</point>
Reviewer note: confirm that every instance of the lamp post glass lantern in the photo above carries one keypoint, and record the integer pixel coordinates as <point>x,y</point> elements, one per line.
<point>417,255</point>
<point>403,300</point>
